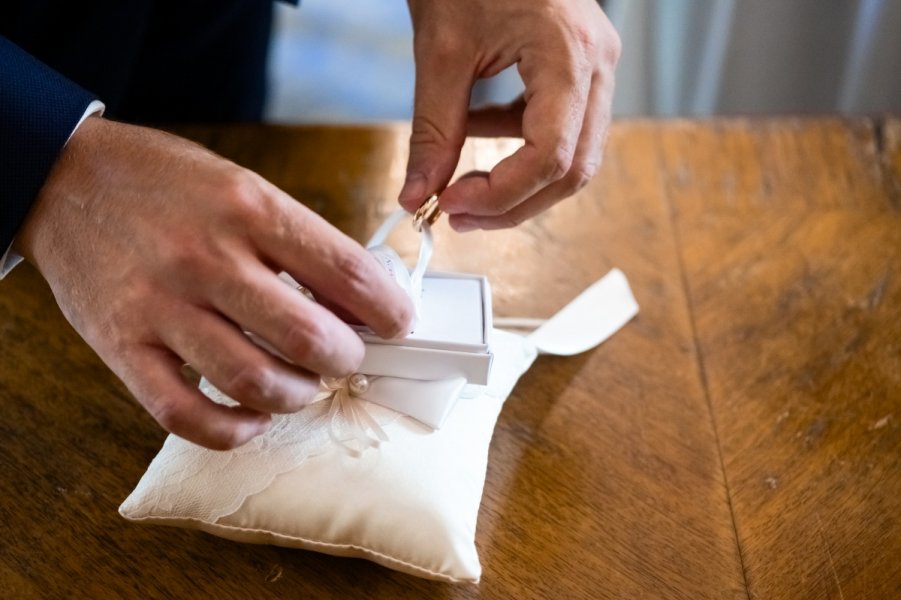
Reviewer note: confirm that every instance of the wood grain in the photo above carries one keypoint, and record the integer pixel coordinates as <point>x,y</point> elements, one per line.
<point>790,237</point>
<point>888,143</point>
<point>738,439</point>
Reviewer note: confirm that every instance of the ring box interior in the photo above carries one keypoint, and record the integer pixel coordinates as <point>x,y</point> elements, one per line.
<point>451,337</point>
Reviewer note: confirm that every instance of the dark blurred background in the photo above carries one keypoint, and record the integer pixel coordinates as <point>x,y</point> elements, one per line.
<point>351,60</point>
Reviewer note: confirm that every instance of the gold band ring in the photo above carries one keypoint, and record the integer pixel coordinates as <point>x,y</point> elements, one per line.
<point>428,212</point>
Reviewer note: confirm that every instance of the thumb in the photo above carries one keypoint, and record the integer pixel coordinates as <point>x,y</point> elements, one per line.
<point>440,110</point>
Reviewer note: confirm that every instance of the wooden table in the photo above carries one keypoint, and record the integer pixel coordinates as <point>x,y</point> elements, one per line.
<point>740,438</point>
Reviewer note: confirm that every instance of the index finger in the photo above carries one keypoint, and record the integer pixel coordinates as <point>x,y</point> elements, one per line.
<point>338,269</point>
<point>552,121</point>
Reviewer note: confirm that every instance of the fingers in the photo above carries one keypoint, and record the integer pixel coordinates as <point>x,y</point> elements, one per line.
<point>585,164</point>
<point>306,333</point>
<point>567,64</point>
<point>556,104</point>
<point>230,361</point>
<point>443,85</point>
<point>215,248</point>
<point>338,270</point>
<point>153,377</point>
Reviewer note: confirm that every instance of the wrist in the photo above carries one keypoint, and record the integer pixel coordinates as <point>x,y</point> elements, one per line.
<point>38,229</point>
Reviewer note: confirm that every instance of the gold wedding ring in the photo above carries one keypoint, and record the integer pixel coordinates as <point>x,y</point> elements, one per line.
<point>428,212</point>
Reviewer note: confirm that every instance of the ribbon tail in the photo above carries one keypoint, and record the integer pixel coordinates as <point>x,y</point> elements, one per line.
<point>370,422</point>
<point>358,424</point>
<point>349,422</point>
<point>333,412</point>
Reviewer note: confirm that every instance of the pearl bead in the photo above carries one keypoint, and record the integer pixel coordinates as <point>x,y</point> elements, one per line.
<point>358,384</point>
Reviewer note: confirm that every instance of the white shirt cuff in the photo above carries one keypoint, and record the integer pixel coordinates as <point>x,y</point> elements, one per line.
<point>10,259</point>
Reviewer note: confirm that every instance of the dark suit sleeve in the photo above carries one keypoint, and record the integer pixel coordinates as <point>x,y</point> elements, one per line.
<point>39,109</point>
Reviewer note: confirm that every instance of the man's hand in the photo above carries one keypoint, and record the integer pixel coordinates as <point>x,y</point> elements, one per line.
<point>565,51</point>
<point>161,253</point>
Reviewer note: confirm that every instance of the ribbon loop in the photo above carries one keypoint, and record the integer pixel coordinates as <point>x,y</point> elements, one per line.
<point>348,419</point>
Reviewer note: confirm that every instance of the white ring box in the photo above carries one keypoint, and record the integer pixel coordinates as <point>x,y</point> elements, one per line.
<point>451,338</point>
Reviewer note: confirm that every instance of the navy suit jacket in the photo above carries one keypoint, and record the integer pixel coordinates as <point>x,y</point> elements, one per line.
<point>147,60</point>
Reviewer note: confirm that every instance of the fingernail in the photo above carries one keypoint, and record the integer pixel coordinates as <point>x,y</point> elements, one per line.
<point>414,190</point>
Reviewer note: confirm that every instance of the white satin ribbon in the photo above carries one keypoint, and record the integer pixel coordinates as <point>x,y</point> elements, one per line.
<point>410,281</point>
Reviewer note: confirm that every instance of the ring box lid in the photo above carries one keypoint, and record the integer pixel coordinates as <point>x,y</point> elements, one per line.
<point>451,337</point>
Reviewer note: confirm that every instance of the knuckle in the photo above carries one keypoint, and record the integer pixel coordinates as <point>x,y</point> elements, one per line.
<point>600,47</point>
<point>306,342</point>
<point>598,38</point>
<point>166,411</point>
<point>134,294</point>
<point>579,176</point>
<point>586,39</point>
<point>612,49</point>
<point>185,256</point>
<point>178,256</point>
<point>355,271</point>
<point>251,381</point>
<point>243,195</point>
<point>557,163</point>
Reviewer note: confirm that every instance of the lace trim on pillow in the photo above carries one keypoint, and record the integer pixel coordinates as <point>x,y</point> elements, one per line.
<point>183,467</point>
<point>180,478</point>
